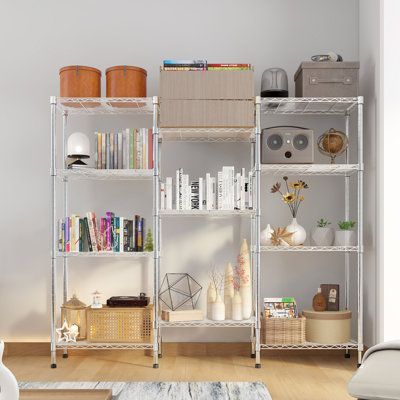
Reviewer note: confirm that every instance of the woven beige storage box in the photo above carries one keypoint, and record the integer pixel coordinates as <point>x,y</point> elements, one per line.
<point>283,330</point>
<point>126,325</point>
<point>328,327</point>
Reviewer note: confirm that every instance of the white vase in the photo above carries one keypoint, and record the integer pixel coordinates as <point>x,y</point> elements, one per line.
<point>322,236</point>
<point>237,314</point>
<point>246,296</point>
<point>299,233</point>
<point>8,384</point>
<point>218,309</point>
<point>265,236</point>
<point>345,238</point>
<point>211,296</point>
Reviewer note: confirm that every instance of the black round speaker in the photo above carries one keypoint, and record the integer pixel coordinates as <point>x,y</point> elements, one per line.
<point>274,142</point>
<point>300,142</point>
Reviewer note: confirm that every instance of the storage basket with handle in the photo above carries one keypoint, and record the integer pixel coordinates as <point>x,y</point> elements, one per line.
<point>283,330</point>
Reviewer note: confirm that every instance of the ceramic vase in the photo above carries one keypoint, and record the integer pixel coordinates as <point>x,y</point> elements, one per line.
<point>265,236</point>
<point>8,384</point>
<point>299,233</point>
<point>228,291</point>
<point>218,309</point>
<point>237,307</point>
<point>211,296</point>
<point>345,238</point>
<point>322,236</point>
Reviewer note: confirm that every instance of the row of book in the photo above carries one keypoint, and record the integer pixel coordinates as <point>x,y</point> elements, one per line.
<point>110,234</point>
<point>202,65</point>
<point>127,149</point>
<point>280,307</point>
<point>227,191</point>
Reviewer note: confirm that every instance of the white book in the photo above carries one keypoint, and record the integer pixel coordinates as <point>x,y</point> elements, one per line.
<point>219,191</point>
<point>139,149</point>
<point>237,191</point>
<point>181,190</point>
<point>228,174</point>
<point>144,151</point>
<point>120,151</point>
<point>242,189</point>
<point>121,234</point>
<point>213,193</point>
<point>185,192</point>
<point>168,193</point>
<point>208,192</point>
<point>103,151</point>
<point>126,148</point>
<point>162,195</point>
<point>250,191</point>
<point>246,192</point>
<point>201,193</point>
<point>177,183</point>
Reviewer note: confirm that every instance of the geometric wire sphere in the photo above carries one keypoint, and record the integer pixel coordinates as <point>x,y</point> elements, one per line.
<point>179,290</point>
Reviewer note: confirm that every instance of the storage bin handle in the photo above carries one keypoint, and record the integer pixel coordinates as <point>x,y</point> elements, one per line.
<point>347,80</point>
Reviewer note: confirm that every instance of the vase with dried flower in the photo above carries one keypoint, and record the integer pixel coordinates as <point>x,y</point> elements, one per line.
<point>293,198</point>
<point>218,306</point>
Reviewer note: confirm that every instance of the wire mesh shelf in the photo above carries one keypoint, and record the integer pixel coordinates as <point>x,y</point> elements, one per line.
<point>105,174</point>
<point>310,169</point>
<point>207,134</point>
<point>309,105</point>
<point>105,105</point>
<point>103,346</point>
<point>310,248</point>
<point>110,254</point>
<point>208,323</point>
<point>311,346</point>
<point>206,213</point>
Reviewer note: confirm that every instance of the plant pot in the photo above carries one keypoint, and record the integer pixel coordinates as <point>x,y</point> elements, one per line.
<point>322,236</point>
<point>345,238</point>
<point>299,233</point>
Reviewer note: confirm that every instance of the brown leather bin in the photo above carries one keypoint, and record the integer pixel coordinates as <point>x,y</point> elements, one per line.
<point>80,81</point>
<point>126,81</point>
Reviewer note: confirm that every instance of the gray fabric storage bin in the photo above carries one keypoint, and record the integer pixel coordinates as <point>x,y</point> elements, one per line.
<point>327,79</point>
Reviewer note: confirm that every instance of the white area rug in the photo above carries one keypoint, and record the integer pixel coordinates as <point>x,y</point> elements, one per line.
<point>166,390</point>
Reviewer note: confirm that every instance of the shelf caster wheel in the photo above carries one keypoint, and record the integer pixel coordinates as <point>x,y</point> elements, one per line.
<point>155,366</point>
<point>160,356</point>
<point>358,365</point>
<point>65,355</point>
<point>253,355</point>
<point>347,355</point>
<point>53,366</point>
<point>258,366</point>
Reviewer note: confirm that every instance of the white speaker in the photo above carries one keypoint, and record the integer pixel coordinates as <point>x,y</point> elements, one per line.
<point>287,145</point>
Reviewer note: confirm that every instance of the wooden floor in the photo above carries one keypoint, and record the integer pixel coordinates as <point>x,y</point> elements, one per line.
<point>288,376</point>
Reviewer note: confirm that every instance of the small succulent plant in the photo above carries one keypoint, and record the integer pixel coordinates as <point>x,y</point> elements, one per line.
<point>346,225</point>
<point>323,223</point>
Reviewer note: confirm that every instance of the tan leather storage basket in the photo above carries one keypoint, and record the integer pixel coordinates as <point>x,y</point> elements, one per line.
<point>80,81</point>
<point>126,81</point>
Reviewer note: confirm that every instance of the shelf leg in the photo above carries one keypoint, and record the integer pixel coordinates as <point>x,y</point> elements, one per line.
<point>347,353</point>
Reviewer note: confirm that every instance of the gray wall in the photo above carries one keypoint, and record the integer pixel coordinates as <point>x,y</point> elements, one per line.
<point>39,38</point>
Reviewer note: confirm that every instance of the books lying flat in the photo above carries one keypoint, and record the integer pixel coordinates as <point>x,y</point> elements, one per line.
<point>182,315</point>
<point>280,307</point>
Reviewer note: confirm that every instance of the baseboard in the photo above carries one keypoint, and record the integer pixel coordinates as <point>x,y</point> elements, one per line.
<point>169,349</point>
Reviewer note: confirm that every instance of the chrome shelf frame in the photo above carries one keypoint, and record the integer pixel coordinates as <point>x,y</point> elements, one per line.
<point>289,249</point>
<point>208,323</point>
<point>310,169</point>
<point>92,106</point>
<point>352,345</point>
<point>213,135</point>
<point>207,213</point>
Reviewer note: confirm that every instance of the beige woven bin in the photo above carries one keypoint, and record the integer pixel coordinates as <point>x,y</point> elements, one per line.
<point>283,330</point>
<point>123,325</point>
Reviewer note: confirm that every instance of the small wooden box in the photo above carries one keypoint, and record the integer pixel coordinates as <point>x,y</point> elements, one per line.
<point>124,325</point>
<point>328,327</point>
<point>283,330</point>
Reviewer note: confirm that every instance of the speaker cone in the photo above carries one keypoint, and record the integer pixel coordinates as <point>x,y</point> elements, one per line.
<point>300,142</point>
<point>274,142</point>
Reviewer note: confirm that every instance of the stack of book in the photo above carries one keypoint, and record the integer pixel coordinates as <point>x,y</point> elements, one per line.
<point>202,65</point>
<point>108,234</point>
<point>280,307</point>
<point>227,191</point>
<point>127,149</point>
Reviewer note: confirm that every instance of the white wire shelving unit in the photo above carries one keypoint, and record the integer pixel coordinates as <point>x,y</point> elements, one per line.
<point>67,107</point>
<point>206,213</point>
<point>208,323</point>
<point>327,106</point>
<point>212,134</point>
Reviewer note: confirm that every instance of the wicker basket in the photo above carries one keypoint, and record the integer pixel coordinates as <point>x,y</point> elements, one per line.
<point>124,325</point>
<point>283,330</point>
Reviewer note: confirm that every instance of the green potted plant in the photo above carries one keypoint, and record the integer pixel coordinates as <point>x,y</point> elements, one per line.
<point>322,234</point>
<point>345,236</point>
